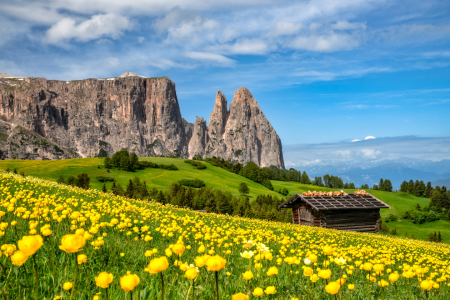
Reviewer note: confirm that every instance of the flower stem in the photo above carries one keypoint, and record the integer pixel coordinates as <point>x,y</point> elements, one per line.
<point>162,286</point>
<point>193,289</point>
<point>76,275</point>
<point>131,295</point>
<point>36,277</point>
<point>217,285</point>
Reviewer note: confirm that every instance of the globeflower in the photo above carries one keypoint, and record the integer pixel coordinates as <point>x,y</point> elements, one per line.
<point>129,282</point>
<point>247,275</point>
<point>328,250</point>
<point>82,258</point>
<point>30,244</point>
<point>191,273</point>
<point>307,271</point>
<point>393,277</point>
<point>178,249</point>
<point>104,279</point>
<point>258,292</point>
<point>72,243</point>
<point>157,265</point>
<point>324,274</point>
<point>270,290</point>
<point>272,271</point>
<point>216,263</point>
<point>426,285</point>
<point>332,288</point>
<point>18,258</point>
<point>247,254</point>
<point>67,286</point>
<point>239,296</point>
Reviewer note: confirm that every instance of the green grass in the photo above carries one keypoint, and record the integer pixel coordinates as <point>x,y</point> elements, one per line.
<point>220,179</point>
<point>161,179</point>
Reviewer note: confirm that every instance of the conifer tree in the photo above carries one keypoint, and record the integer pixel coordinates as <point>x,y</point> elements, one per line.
<point>411,187</point>
<point>104,188</point>
<point>381,185</point>
<point>429,190</point>
<point>404,187</point>
<point>130,189</point>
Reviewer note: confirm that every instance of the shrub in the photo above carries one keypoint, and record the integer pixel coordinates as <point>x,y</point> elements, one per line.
<point>168,167</point>
<point>197,165</point>
<point>194,183</point>
<point>104,178</point>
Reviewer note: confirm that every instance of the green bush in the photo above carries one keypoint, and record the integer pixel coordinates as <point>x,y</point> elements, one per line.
<point>104,178</point>
<point>194,183</point>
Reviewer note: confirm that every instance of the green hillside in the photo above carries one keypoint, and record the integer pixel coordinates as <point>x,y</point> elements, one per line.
<point>220,179</point>
<point>399,202</point>
<point>159,178</point>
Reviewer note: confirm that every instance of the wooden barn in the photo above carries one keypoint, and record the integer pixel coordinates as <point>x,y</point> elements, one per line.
<point>351,212</point>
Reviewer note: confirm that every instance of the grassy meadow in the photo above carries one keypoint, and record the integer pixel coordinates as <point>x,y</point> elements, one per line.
<point>159,178</point>
<point>221,179</point>
<point>62,242</point>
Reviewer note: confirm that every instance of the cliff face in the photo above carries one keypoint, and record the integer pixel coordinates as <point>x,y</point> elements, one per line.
<point>139,114</point>
<point>65,119</point>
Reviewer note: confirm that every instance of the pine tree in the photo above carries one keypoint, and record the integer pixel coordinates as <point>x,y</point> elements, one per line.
<point>429,190</point>
<point>305,178</point>
<point>104,188</point>
<point>439,238</point>
<point>381,185</point>
<point>160,198</point>
<point>144,191</point>
<point>411,187</point>
<point>445,202</point>
<point>387,185</point>
<point>243,188</point>
<point>404,187</point>
<point>130,189</point>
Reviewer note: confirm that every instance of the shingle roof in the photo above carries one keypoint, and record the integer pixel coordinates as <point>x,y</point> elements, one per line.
<point>350,201</point>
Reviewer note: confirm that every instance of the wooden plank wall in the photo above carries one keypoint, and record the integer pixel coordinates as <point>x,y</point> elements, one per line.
<point>362,220</point>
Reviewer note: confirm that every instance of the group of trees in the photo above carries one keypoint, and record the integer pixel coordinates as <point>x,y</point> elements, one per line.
<point>82,180</point>
<point>384,185</point>
<point>417,188</point>
<point>218,201</point>
<point>135,189</point>
<point>433,237</point>
<point>130,162</point>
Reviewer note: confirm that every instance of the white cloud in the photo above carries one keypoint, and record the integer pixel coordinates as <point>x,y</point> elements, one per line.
<point>141,39</point>
<point>325,43</point>
<point>285,28</point>
<point>211,57</point>
<point>355,140</point>
<point>108,25</point>
<point>345,25</point>
<point>369,137</point>
<point>243,46</point>
<point>370,153</point>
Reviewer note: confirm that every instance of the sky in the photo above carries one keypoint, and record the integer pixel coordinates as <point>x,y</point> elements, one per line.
<point>323,71</point>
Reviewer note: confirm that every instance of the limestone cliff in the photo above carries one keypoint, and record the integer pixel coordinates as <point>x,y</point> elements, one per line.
<point>51,119</point>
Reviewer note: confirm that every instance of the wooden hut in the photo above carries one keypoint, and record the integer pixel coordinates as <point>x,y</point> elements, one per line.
<point>349,212</point>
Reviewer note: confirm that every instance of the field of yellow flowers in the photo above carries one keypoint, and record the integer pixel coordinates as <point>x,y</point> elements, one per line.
<point>59,242</point>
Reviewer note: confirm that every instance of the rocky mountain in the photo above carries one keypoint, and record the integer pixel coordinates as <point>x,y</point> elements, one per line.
<point>51,119</point>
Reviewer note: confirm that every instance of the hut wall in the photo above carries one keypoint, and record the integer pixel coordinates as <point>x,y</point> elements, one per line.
<point>361,220</point>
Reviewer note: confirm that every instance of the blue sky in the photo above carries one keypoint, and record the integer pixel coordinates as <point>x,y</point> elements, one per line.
<point>323,71</point>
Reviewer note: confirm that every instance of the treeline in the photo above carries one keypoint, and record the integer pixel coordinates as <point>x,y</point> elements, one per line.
<point>130,162</point>
<point>206,198</point>
<point>417,188</point>
<point>81,180</point>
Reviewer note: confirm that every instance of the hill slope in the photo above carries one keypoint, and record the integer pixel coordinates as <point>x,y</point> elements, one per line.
<point>161,179</point>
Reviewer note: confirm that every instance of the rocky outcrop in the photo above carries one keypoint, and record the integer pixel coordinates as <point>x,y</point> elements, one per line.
<point>84,118</point>
<point>131,112</point>
<point>246,136</point>
<point>199,139</point>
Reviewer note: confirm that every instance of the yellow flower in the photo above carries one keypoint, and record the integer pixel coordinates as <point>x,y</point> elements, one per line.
<point>216,263</point>
<point>258,292</point>
<point>314,277</point>
<point>383,283</point>
<point>157,265</point>
<point>378,267</point>
<point>72,243</point>
<point>247,275</point>
<point>313,257</point>
<point>351,286</point>
<point>30,244</point>
<point>328,250</point>
<point>82,258</point>
<point>129,282</point>
<point>367,266</point>
<point>200,261</point>
<point>18,258</point>
<point>191,273</point>
<point>178,249</point>
<point>270,290</point>
<point>67,286</point>
<point>307,271</point>
<point>332,288</point>
<point>272,271</point>
<point>239,296</point>
<point>426,285</point>
<point>104,279</point>
<point>324,274</point>
<point>393,277</point>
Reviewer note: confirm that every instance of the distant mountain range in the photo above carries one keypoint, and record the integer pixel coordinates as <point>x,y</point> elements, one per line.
<point>370,172</point>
